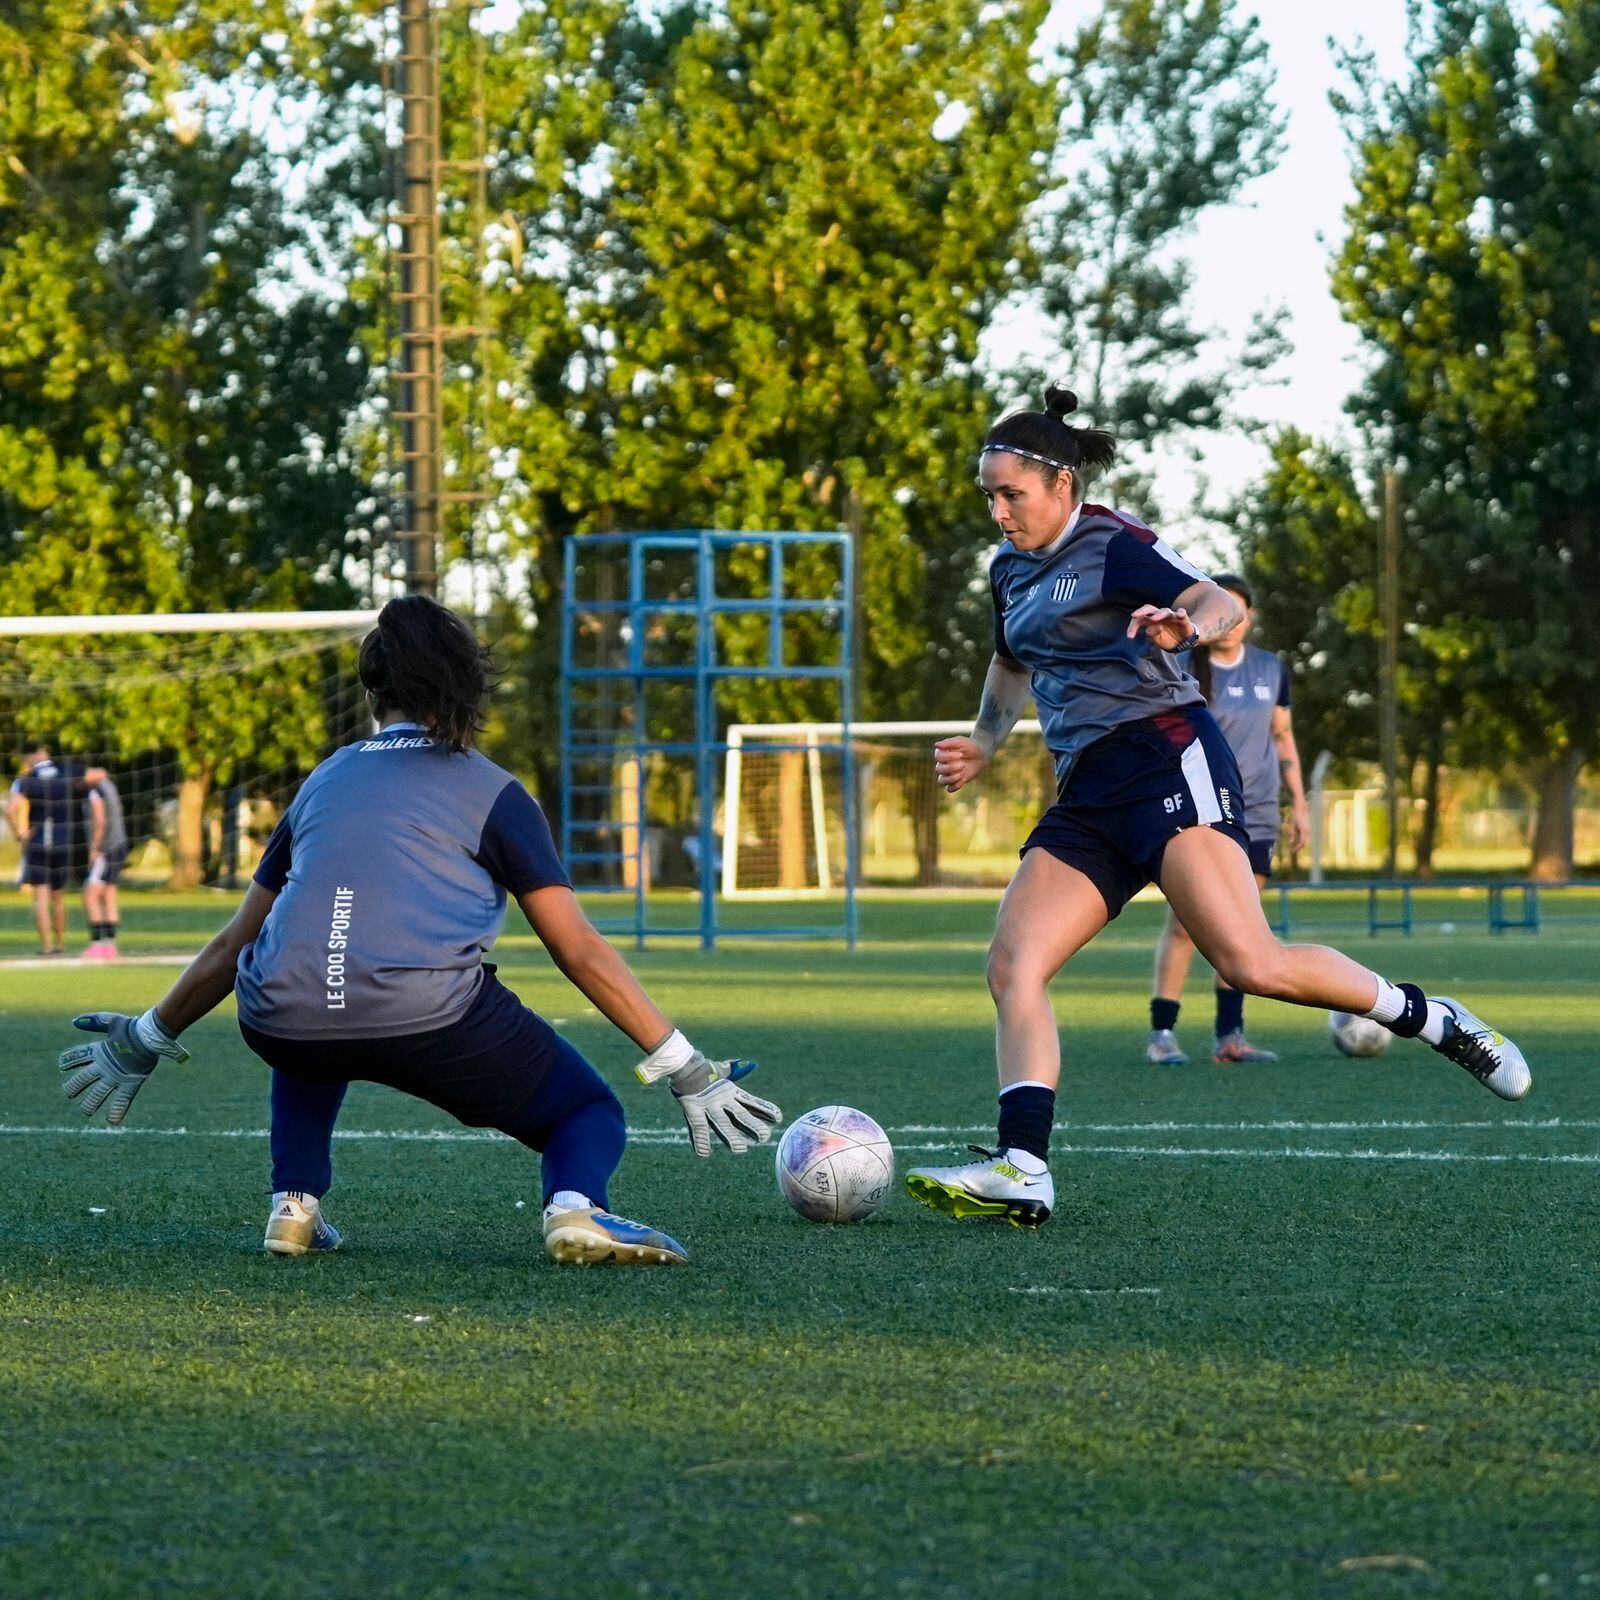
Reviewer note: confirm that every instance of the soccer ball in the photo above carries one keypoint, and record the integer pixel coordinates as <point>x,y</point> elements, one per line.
<point>1357,1036</point>
<point>835,1164</point>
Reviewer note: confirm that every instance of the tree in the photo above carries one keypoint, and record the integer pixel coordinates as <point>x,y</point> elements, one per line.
<point>1166,113</point>
<point>183,446</point>
<point>1471,270</point>
<point>776,296</point>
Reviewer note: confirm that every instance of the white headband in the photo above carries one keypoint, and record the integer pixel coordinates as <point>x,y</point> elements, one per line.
<point>1027,455</point>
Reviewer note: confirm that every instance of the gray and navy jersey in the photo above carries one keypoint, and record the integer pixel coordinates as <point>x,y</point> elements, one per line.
<point>392,867</point>
<point>116,836</point>
<point>1243,699</point>
<point>1062,612</point>
<point>50,789</point>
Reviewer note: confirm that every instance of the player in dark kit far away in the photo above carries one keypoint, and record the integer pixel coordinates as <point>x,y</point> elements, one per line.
<point>1097,616</point>
<point>1247,689</point>
<point>41,810</point>
<point>358,953</point>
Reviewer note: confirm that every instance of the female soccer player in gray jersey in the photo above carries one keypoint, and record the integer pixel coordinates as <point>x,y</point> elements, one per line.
<point>1247,691</point>
<point>1097,615</point>
<point>358,953</point>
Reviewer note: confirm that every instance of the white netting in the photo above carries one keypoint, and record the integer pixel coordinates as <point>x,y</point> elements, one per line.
<point>783,808</point>
<point>207,734</point>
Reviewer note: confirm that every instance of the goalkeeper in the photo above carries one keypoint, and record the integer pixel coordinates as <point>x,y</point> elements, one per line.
<point>358,950</point>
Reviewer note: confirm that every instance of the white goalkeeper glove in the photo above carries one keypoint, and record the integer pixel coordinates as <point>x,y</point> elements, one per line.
<point>709,1096</point>
<point>112,1070</point>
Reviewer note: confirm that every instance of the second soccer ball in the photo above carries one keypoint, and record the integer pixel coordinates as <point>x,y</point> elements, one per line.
<point>1357,1036</point>
<point>835,1164</point>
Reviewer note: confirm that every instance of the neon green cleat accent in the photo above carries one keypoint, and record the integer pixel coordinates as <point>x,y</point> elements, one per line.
<point>995,1188</point>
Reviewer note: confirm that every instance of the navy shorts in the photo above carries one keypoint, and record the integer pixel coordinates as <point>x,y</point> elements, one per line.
<point>498,1066</point>
<point>1261,853</point>
<point>45,868</point>
<point>1131,790</point>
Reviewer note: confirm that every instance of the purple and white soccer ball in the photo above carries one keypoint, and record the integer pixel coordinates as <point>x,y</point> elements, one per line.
<point>1357,1036</point>
<point>835,1164</point>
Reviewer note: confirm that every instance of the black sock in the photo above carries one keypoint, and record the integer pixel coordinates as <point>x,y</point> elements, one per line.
<point>1230,1012</point>
<point>111,931</point>
<point>1163,1014</point>
<point>96,931</point>
<point>1415,1017</point>
<point>1026,1113</point>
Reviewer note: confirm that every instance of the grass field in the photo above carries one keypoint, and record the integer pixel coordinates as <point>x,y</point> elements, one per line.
<point>1319,1328</point>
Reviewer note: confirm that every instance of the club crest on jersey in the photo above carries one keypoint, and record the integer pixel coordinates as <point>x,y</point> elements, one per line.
<point>1263,691</point>
<point>1063,589</point>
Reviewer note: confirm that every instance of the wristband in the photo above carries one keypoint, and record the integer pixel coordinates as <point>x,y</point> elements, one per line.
<point>1187,645</point>
<point>153,1033</point>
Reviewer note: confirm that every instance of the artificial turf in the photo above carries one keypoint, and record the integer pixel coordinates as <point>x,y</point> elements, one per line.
<point>1316,1328</point>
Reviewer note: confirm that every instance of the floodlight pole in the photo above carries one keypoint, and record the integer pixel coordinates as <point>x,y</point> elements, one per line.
<point>1389,672</point>
<point>420,412</point>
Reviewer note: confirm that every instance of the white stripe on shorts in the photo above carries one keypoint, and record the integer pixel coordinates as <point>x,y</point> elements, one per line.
<point>1197,774</point>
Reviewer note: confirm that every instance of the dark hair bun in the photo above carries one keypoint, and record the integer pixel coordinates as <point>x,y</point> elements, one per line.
<point>1059,402</point>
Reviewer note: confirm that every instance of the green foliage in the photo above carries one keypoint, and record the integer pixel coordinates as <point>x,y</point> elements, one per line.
<point>174,398</point>
<point>1166,113</point>
<point>1471,269</point>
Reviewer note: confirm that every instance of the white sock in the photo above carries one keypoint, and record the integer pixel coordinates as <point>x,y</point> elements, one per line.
<point>1433,1028</point>
<point>1390,1005</point>
<point>569,1200</point>
<point>299,1196</point>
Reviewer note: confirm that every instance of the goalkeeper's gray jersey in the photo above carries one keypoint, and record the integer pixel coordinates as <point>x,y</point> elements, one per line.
<point>1063,611</point>
<point>392,868</point>
<point>1243,699</point>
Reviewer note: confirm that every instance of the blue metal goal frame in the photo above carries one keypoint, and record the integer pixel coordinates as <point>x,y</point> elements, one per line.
<point>589,747</point>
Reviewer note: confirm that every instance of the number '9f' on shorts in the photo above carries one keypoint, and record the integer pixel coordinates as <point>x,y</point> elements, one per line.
<point>1132,790</point>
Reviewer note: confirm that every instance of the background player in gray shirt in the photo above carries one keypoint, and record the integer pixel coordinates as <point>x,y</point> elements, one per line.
<point>108,855</point>
<point>1248,691</point>
<point>358,953</point>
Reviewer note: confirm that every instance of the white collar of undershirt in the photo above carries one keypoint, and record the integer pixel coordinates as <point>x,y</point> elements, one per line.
<point>1061,538</point>
<point>398,727</point>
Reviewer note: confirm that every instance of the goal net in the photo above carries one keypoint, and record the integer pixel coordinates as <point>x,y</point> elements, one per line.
<point>206,724</point>
<point>783,811</point>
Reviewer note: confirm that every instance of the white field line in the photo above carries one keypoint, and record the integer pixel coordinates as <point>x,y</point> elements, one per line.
<point>658,1138</point>
<point>65,963</point>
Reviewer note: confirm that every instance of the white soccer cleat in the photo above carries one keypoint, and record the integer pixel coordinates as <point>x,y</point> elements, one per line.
<point>586,1236</point>
<point>995,1187</point>
<point>1164,1049</point>
<point>1490,1057</point>
<point>297,1227</point>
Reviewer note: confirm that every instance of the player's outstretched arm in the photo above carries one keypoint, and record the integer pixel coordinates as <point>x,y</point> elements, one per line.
<point>708,1092</point>
<point>957,761</point>
<point>115,1067</point>
<point>1203,612</point>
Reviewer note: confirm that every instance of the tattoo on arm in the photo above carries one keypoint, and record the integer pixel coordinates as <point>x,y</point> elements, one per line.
<point>1005,694</point>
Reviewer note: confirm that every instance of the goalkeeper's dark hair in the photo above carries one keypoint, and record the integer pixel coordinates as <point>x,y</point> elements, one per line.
<point>423,661</point>
<point>1049,443</point>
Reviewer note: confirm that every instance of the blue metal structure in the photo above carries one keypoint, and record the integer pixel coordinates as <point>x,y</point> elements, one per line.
<point>612,710</point>
<point>1389,902</point>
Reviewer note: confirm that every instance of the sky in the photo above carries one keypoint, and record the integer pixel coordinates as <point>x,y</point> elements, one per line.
<point>1275,246</point>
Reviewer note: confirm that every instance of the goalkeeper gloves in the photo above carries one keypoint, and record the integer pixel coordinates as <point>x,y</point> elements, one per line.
<point>112,1070</point>
<point>709,1096</point>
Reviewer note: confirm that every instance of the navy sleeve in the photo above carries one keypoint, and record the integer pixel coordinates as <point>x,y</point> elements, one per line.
<point>1000,647</point>
<point>273,872</point>
<point>1143,572</point>
<point>516,849</point>
<point>1285,697</point>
